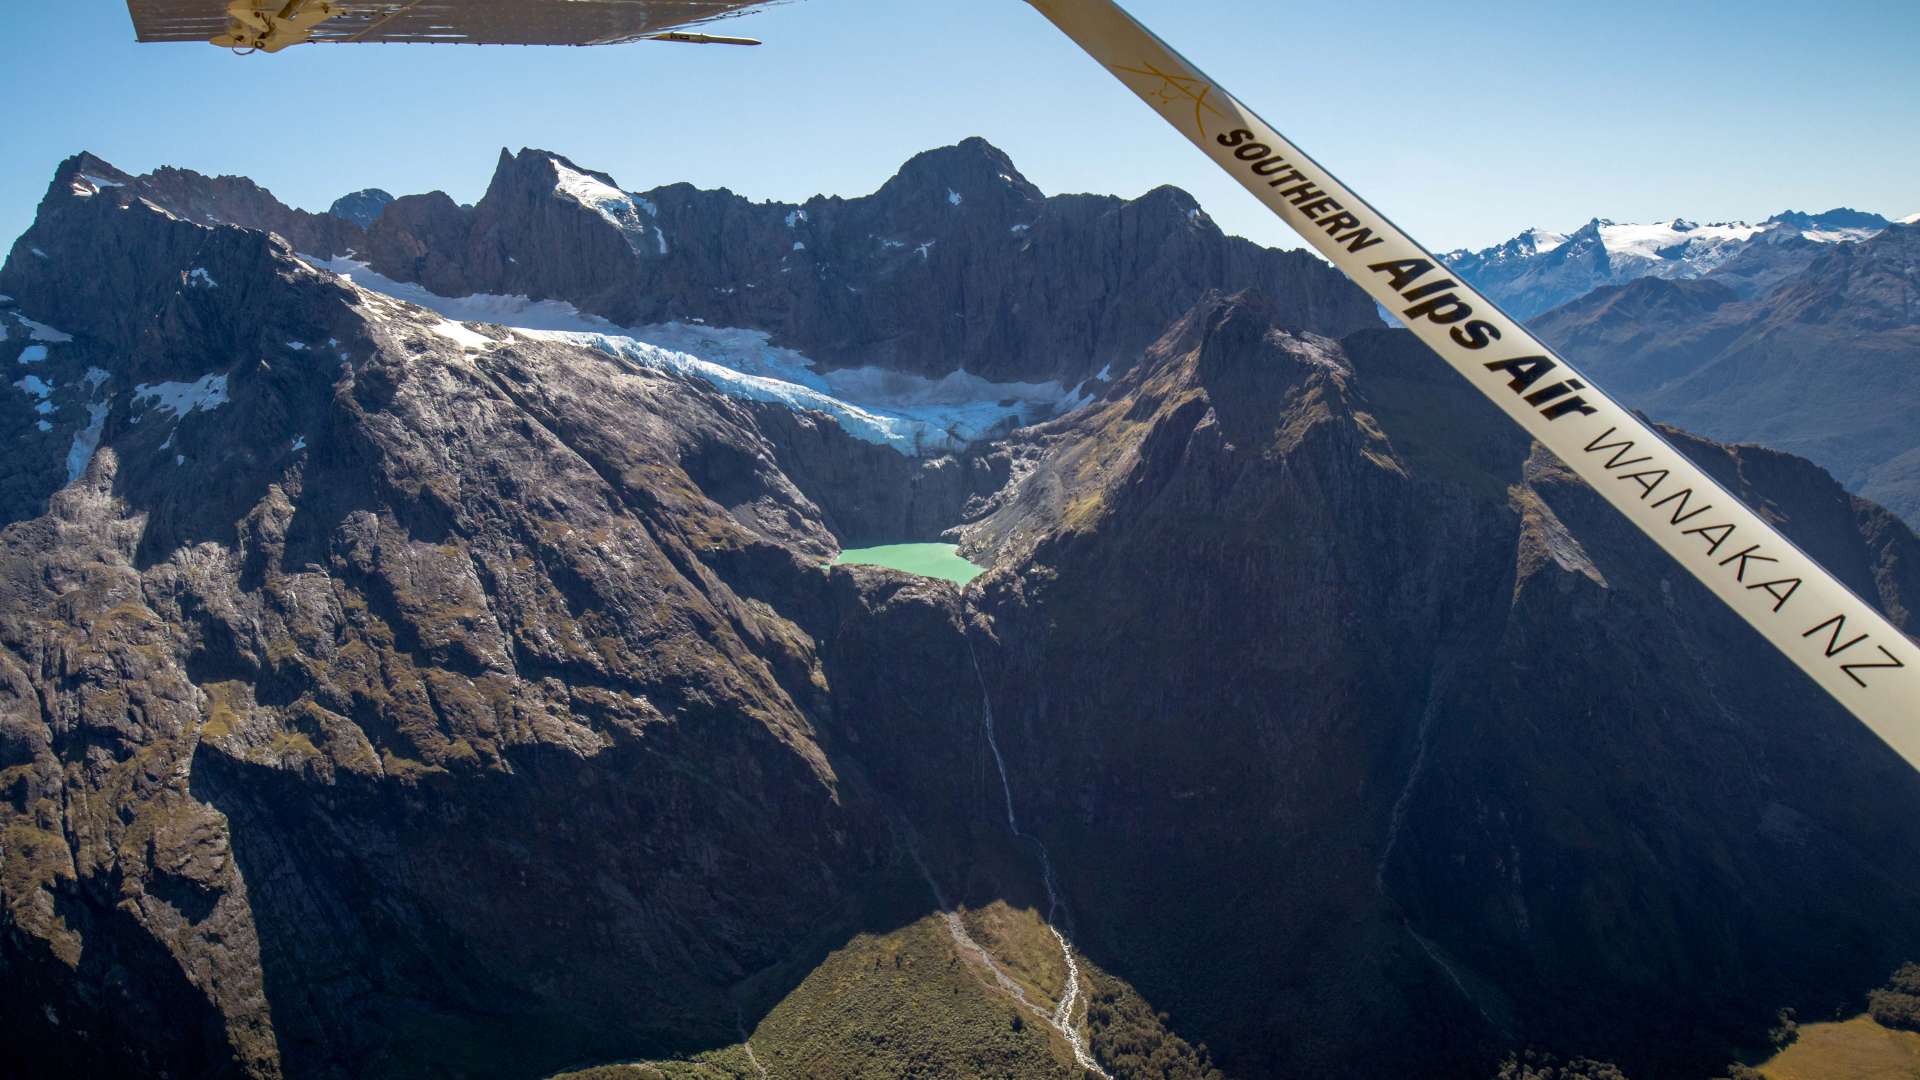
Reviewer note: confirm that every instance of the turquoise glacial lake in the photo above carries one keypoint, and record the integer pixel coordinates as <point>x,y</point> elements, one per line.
<point>941,561</point>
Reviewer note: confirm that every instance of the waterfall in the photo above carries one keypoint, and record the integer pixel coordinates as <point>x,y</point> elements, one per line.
<point>1062,1018</point>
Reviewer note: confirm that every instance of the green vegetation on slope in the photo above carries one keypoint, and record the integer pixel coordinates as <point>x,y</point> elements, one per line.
<point>897,996</point>
<point>1133,1041</point>
<point>1537,1066</point>
<point>730,1063</point>
<point>1897,1004</point>
<point>905,1003</point>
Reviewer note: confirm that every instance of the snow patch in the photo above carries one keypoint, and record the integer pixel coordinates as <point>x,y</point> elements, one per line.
<point>1657,239</point>
<point>34,386</point>
<point>799,246</point>
<point>86,441</point>
<point>909,413</point>
<point>925,250</point>
<point>609,202</point>
<point>208,392</point>
<point>33,354</point>
<point>1910,219</point>
<point>1543,241</point>
<point>299,444</point>
<point>515,311</point>
<point>43,425</point>
<point>42,332</point>
<point>1838,236</point>
<point>953,197</point>
<point>795,217</point>
<point>37,252</point>
<point>198,278</point>
<point>460,335</point>
<point>297,346</point>
<point>86,186</point>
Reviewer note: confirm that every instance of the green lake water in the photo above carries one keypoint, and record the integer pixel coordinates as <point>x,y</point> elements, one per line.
<point>941,561</point>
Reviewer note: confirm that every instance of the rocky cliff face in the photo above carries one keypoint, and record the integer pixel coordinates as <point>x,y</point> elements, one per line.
<point>386,695</point>
<point>1822,363</point>
<point>956,264</point>
<point>1358,715</point>
<point>288,679</point>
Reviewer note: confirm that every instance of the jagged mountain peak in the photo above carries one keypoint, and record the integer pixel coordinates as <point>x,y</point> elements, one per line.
<point>1840,217</point>
<point>87,164</point>
<point>540,171</point>
<point>972,167</point>
<point>868,281</point>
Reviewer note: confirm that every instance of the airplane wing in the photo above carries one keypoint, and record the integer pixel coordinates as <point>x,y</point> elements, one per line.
<point>274,24</point>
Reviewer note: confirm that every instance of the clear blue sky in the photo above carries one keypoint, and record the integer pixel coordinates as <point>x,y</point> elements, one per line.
<point>1465,123</point>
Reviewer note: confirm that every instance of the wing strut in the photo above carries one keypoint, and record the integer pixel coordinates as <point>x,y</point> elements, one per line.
<point>272,25</point>
<point>1844,643</point>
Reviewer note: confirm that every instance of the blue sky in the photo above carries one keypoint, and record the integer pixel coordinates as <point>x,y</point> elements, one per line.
<point>1465,123</point>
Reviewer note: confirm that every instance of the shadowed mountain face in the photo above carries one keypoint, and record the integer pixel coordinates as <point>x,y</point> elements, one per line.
<point>1825,363</point>
<point>1483,765</point>
<point>383,695</point>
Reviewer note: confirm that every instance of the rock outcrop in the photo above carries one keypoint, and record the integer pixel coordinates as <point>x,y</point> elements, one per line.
<point>363,208</point>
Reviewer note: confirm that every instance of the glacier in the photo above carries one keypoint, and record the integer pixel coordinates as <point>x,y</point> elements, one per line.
<point>909,413</point>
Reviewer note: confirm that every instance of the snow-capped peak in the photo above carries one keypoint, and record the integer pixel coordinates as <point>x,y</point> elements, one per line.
<point>1541,240</point>
<point>1911,219</point>
<point>619,208</point>
<point>1676,239</point>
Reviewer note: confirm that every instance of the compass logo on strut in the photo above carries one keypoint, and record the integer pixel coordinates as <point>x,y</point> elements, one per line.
<point>1177,87</point>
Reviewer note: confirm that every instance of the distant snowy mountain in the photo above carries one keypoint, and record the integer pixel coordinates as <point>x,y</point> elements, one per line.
<point>1818,362</point>
<point>1539,270</point>
<point>1911,219</point>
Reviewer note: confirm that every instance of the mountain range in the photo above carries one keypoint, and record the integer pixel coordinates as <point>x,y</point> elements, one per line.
<point>1540,270</point>
<point>418,658</point>
<point>1823,361</point>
